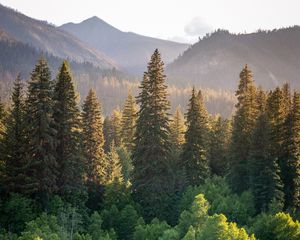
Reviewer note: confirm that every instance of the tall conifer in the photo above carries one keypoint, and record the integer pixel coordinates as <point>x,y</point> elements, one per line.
<point>14,142</point>
<point>41,144</point>
<point>292,178</point>
<point>265,182</point>
<point>68,133</point>
<point>195,149</point>
<point>129,122</point>
<point>93,139</point>
<point>177,129</point>
<point>152,177</point>
<point>243,125</point>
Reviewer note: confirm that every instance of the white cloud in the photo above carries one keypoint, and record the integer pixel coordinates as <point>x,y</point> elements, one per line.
<point>197,27</point>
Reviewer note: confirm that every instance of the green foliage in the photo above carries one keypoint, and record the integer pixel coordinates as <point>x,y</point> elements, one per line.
<point>265,181</point>
<point>113,171</point>
<point>13,142</point>
<point>217,227</point>
<point>66,116</point>
<point>238,208</point>
<point>16,211</point>
<point>126,164</point>
<point>292,161</point>
<point>194,153</point>
<point>276,227</point>
<point>152,231</point>
<point>219,145</point>
<point>177,129</point>
<point>41,175</point>
<point>243,125</point>
<point>128,122</point>
<point>93,140</point>
<point>153,181</point>
<point>44,227</point>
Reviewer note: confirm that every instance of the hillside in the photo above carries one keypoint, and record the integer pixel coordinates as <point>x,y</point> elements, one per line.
<point>49,38</point>
<point>216,60</point>
<point>130,50</point>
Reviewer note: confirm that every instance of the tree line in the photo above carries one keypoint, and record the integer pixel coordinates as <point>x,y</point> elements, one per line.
<point>143,174</point>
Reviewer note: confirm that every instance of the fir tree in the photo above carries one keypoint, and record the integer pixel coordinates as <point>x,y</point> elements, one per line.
<point>265,182</point>
<point>129,122</point>
<point>177,129</point>
<point>67,124</point>
<point>243,125</point>
<point>152,177</point>
<point>113,168</point>
<point>194,154</point>
<point>277,116</point>
<point>14,142</point>
<point>292,178</point>
<point>41,144</point>
<point>113,129</point>
<point>93,139</point>
<point>219,144</point>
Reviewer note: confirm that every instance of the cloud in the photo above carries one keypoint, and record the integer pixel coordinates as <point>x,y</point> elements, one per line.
<point>197,27</point>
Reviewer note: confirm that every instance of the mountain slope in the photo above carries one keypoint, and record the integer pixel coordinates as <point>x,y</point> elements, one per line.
<point>216,60</point>
<point>42,35</point>
<point>130,50</point>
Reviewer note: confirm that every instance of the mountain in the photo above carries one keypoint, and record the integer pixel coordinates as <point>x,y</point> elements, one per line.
<point>49,38</point>
<point>130,50</point>
<point>217,59</point>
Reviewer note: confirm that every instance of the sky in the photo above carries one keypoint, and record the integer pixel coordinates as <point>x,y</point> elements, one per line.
<point>178,20</point>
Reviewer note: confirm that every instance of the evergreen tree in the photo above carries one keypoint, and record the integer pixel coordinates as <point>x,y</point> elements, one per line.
<point>67,124</point>
<point>265,181</point>
<point>129,122</point>
<point>41,144</point>
<point>14,142</point>
<point>243,125</point>
<point>152,177</point>
<point>219,144</point>
<point>93,140</point>
<point>292,178</point>
<point>113,129</point>
<point>108,133</point>
<point>194,154</point>
<point>177,129</point>
<point>113,168</point>
<point>277,117</point>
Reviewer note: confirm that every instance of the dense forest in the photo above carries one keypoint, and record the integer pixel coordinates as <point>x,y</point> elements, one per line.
<point>68,172</point>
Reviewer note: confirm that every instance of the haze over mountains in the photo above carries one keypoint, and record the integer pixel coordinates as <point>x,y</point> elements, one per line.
<point>132,51</point>
<point>101,56</point>
<point>49,38</point>
<point>216,60</point>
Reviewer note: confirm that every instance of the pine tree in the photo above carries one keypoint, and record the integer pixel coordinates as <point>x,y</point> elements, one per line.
<point>67,124</point>
<point>113,129</point>
<point>41,144</point>
<point>113,168</point>
<point>277,116</point>
<point>292,178</point>
<point>14,142</point>
<point>128,122</point>
<point>219,144</point>
<point>152,177</point>
<point>177,129</point>
<point>243,125</point>
<point>93,139</point>
<point>265,182</point>
<point>194,154</point>
<point>116,121</point>
<point>108,133</point>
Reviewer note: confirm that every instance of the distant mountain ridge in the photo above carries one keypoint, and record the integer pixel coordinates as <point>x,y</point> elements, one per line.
<point>132,51</point>
<point>216,60</point>
<point>49,38</point>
